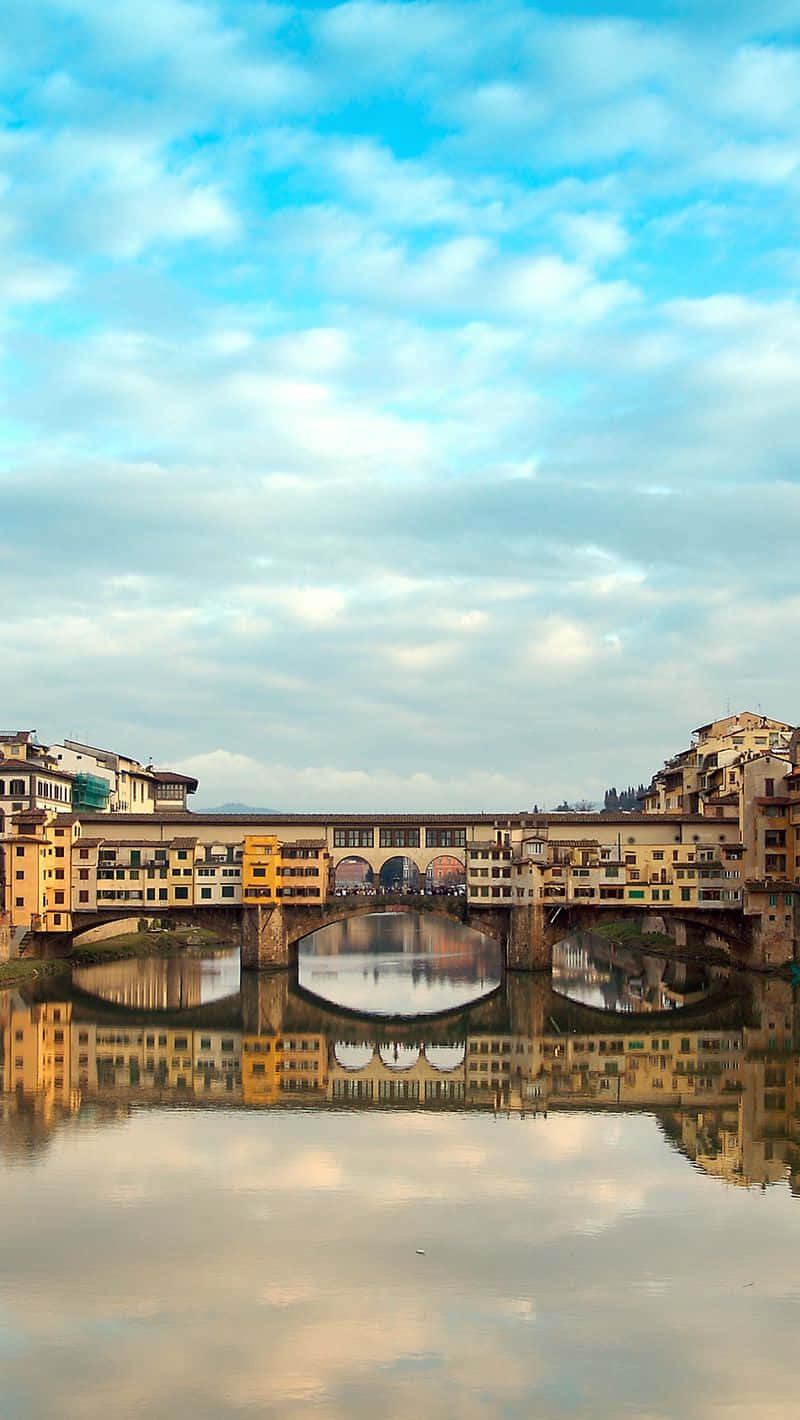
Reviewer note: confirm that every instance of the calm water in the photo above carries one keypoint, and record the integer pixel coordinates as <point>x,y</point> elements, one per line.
<point>399,964</point>
<point>251,1204</point>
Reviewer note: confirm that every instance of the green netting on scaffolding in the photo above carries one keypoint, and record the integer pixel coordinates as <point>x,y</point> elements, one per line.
<point>89,791</point>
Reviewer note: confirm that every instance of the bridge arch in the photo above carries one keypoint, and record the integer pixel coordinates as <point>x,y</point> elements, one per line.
<point>444,872</point>
<point>400,874</point>
<point>354,873</point>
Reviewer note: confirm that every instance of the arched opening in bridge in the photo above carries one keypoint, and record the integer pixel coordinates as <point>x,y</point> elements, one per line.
<point>400,874</point>
<point>445,874</point>
<point>354,874</point>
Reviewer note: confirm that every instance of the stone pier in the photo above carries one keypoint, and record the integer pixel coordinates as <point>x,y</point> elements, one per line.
<point>265,938</point>
<point>531,937</point>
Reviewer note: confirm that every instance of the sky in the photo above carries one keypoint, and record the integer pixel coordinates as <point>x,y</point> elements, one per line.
<point>398,401</point>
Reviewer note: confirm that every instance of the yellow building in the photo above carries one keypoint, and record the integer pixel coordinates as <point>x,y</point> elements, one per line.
<point>706,777</point>
<point>38,856</point>
<point>260,868</point>
<point>181,854</point>
<point>38,1052</point>
<point>304,870</point>
<point>261,1066</point>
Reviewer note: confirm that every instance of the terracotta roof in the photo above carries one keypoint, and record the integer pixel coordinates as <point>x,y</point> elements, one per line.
<point>183,843</point>
<point>30,816</point>
<point>305,843</point>
<point>32,766</point>
<point>131,842</point>
<point>502,821</point>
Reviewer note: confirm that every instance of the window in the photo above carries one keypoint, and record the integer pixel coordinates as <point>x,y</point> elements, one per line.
<point>181,894</point>
<point>399,838</point>
<point>353,838</point>
<point>445,837</point>
<point>227,891</point>
<point>205,893</point>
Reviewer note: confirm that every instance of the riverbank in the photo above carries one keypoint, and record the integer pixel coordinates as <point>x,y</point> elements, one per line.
<point>626,934</point>
<point>23,970</point>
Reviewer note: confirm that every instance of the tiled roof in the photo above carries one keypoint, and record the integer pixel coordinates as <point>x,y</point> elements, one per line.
<point>32,766</point>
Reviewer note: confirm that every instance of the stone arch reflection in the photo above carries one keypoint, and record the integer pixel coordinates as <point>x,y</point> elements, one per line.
<point>446,1057</point>
<point>396,1056</point>
<point>353,1057</point>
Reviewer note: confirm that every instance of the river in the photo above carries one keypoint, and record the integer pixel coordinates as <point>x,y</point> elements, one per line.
<point>365,1187</point>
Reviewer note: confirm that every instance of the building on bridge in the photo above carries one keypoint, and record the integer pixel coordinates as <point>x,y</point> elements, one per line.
<point>66,868</point>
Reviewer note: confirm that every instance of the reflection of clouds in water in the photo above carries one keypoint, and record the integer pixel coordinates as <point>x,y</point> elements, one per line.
<point>320,1301</point>
<point>445,1057</point>
<point>399,1057</point>
<point>385,986</point>
<point>352,1057</point>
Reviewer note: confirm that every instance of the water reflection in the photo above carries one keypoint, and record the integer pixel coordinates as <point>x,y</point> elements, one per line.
<point>163,983</point>
<point>399,964</point>
<point>521,1208</point>
<point>722,1077</point>
<point>611,977</point>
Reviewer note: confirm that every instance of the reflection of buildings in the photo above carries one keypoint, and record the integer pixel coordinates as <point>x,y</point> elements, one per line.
<point>588,968</point>
<point>724,1084</point>
<point>154,984</point>
<point>463,954</point>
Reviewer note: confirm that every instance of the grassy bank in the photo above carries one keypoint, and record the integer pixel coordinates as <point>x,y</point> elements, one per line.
<point>145,944</point>
<point>627,934</point>
<point>26,971</point>
<point>23,971</point>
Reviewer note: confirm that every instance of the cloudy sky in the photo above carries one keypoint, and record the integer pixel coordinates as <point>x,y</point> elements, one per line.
<point>398,400</point>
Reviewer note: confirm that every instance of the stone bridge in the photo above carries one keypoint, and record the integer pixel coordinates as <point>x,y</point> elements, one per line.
<point>268,935</point>
<point>535,929</point>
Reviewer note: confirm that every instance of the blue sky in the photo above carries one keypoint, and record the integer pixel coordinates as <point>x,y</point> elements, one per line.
<point>399,401</point>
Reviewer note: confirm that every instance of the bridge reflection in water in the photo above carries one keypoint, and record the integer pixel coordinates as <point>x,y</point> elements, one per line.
<point>722,1076</point>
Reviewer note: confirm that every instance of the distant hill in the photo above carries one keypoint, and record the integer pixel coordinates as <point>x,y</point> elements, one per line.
<point>239,809</point>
